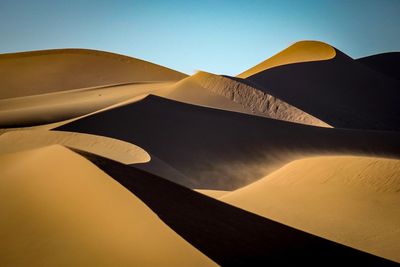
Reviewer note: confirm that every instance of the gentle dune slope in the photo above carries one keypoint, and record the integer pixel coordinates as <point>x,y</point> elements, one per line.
<point>224,150</point>
<point>117,150</point>
<point>228,235</point>
<point>38,72</point>
<point>62,210</point>
<point>58,106</point>
<point>341,92</point>
<point>302,51</point>
<point>386,63</point>
<point>351,200</point>
<point>255,100</point>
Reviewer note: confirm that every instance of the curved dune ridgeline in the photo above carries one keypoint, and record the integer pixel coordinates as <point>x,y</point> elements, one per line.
<point>61,210</point>
<point>341,92</point>
<point>386,63</point>
<point>225,150</point>
<point>302,51</point>
<point>39,72</point>
<point>351,200</point>
<point>228,235</point>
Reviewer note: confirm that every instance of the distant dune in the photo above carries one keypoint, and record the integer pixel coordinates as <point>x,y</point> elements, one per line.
<point>223,150</point>
<point>341,92</point>
<point>61,210</point>
<point>39,72</point>
<point>228,235</point>
<point>386,63</point>
<point>302,51</point>
<point>351,200</point>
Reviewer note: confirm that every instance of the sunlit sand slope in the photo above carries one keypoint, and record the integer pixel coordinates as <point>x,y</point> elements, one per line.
<point>62,210</point>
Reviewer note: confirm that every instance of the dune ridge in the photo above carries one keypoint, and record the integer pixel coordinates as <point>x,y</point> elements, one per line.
<point>302,51</point>
<point>62,210</point>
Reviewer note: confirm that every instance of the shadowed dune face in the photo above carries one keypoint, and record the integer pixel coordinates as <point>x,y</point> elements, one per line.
<point>117,150</point>
<point>386,63</point>
<point>341,92</point>
<point>224,150</point>
<point>302,51</point>
<point>351,200</point>
<point>62,210</point>
<point>228,235</point>
<point>40,72</point>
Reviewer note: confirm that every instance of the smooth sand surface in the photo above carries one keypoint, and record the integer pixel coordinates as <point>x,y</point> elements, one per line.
<point>350,200</point>
<point>114,149</point>
<point>213,193</point>
<point>58,106</point>
<point>341,92</point>
<point>39,72</point>
<point>302,51</point>
<point>221,150</point>
<point>62,210</point>
<point>386,63</point>
<point>228,235</point>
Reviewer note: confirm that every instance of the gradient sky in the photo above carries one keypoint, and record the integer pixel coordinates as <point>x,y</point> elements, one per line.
<point>224,37</point>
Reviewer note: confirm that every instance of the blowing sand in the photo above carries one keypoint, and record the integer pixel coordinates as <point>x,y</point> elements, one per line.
<point>350,200</point>
<point>61,210</point>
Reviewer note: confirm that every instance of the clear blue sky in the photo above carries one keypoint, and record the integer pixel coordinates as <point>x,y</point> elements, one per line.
<point>223,37</point>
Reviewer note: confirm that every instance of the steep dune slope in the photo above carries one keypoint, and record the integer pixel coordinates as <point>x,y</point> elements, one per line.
<point>62,210</point>
<point>224,150</point>
<point>38,72</point>
<point>341,92</point>
<point>302,51</point>
<point>230,236</point>
<point>351,200</point>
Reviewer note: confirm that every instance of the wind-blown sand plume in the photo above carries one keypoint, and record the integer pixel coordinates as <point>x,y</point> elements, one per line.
<point>114,149</point>
<point>58,106</point>
<point>223,150</point>
<point>386,63</point>
<point>341,92</point>
<point>302,51</point>
<point>255,100</point>
<point>350,200</point>
<point>62,210</point>
<point>39,72</point>
<point>228,235</point>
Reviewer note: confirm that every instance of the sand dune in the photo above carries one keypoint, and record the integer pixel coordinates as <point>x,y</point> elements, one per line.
<point>341,92</point>
<point>386,63</point>
<point>351,200</point>
<point>302,51</point>
<point>223,150</point>
<point>39,72</point>
<point>63,211</point>
<point>228,235</point>
<point>117,150</point>
<point>58,106</point>
<point>257,101</point>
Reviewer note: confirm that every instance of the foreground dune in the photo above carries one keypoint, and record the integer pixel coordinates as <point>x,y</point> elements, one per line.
<point>63,211</point>
<point>223,150</point>
<point>114,149</point>
<point>39,72</point>
<point>228,235</point>
<point>302,51</point>
<point>351,200</point>
<point>340,91</point>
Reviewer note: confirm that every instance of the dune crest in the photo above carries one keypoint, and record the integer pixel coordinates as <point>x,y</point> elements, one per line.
<point>62,210</point>
<point>302,51</point>
<point>39,72</point>
<point>111,148</point>
<point>347,199</point>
